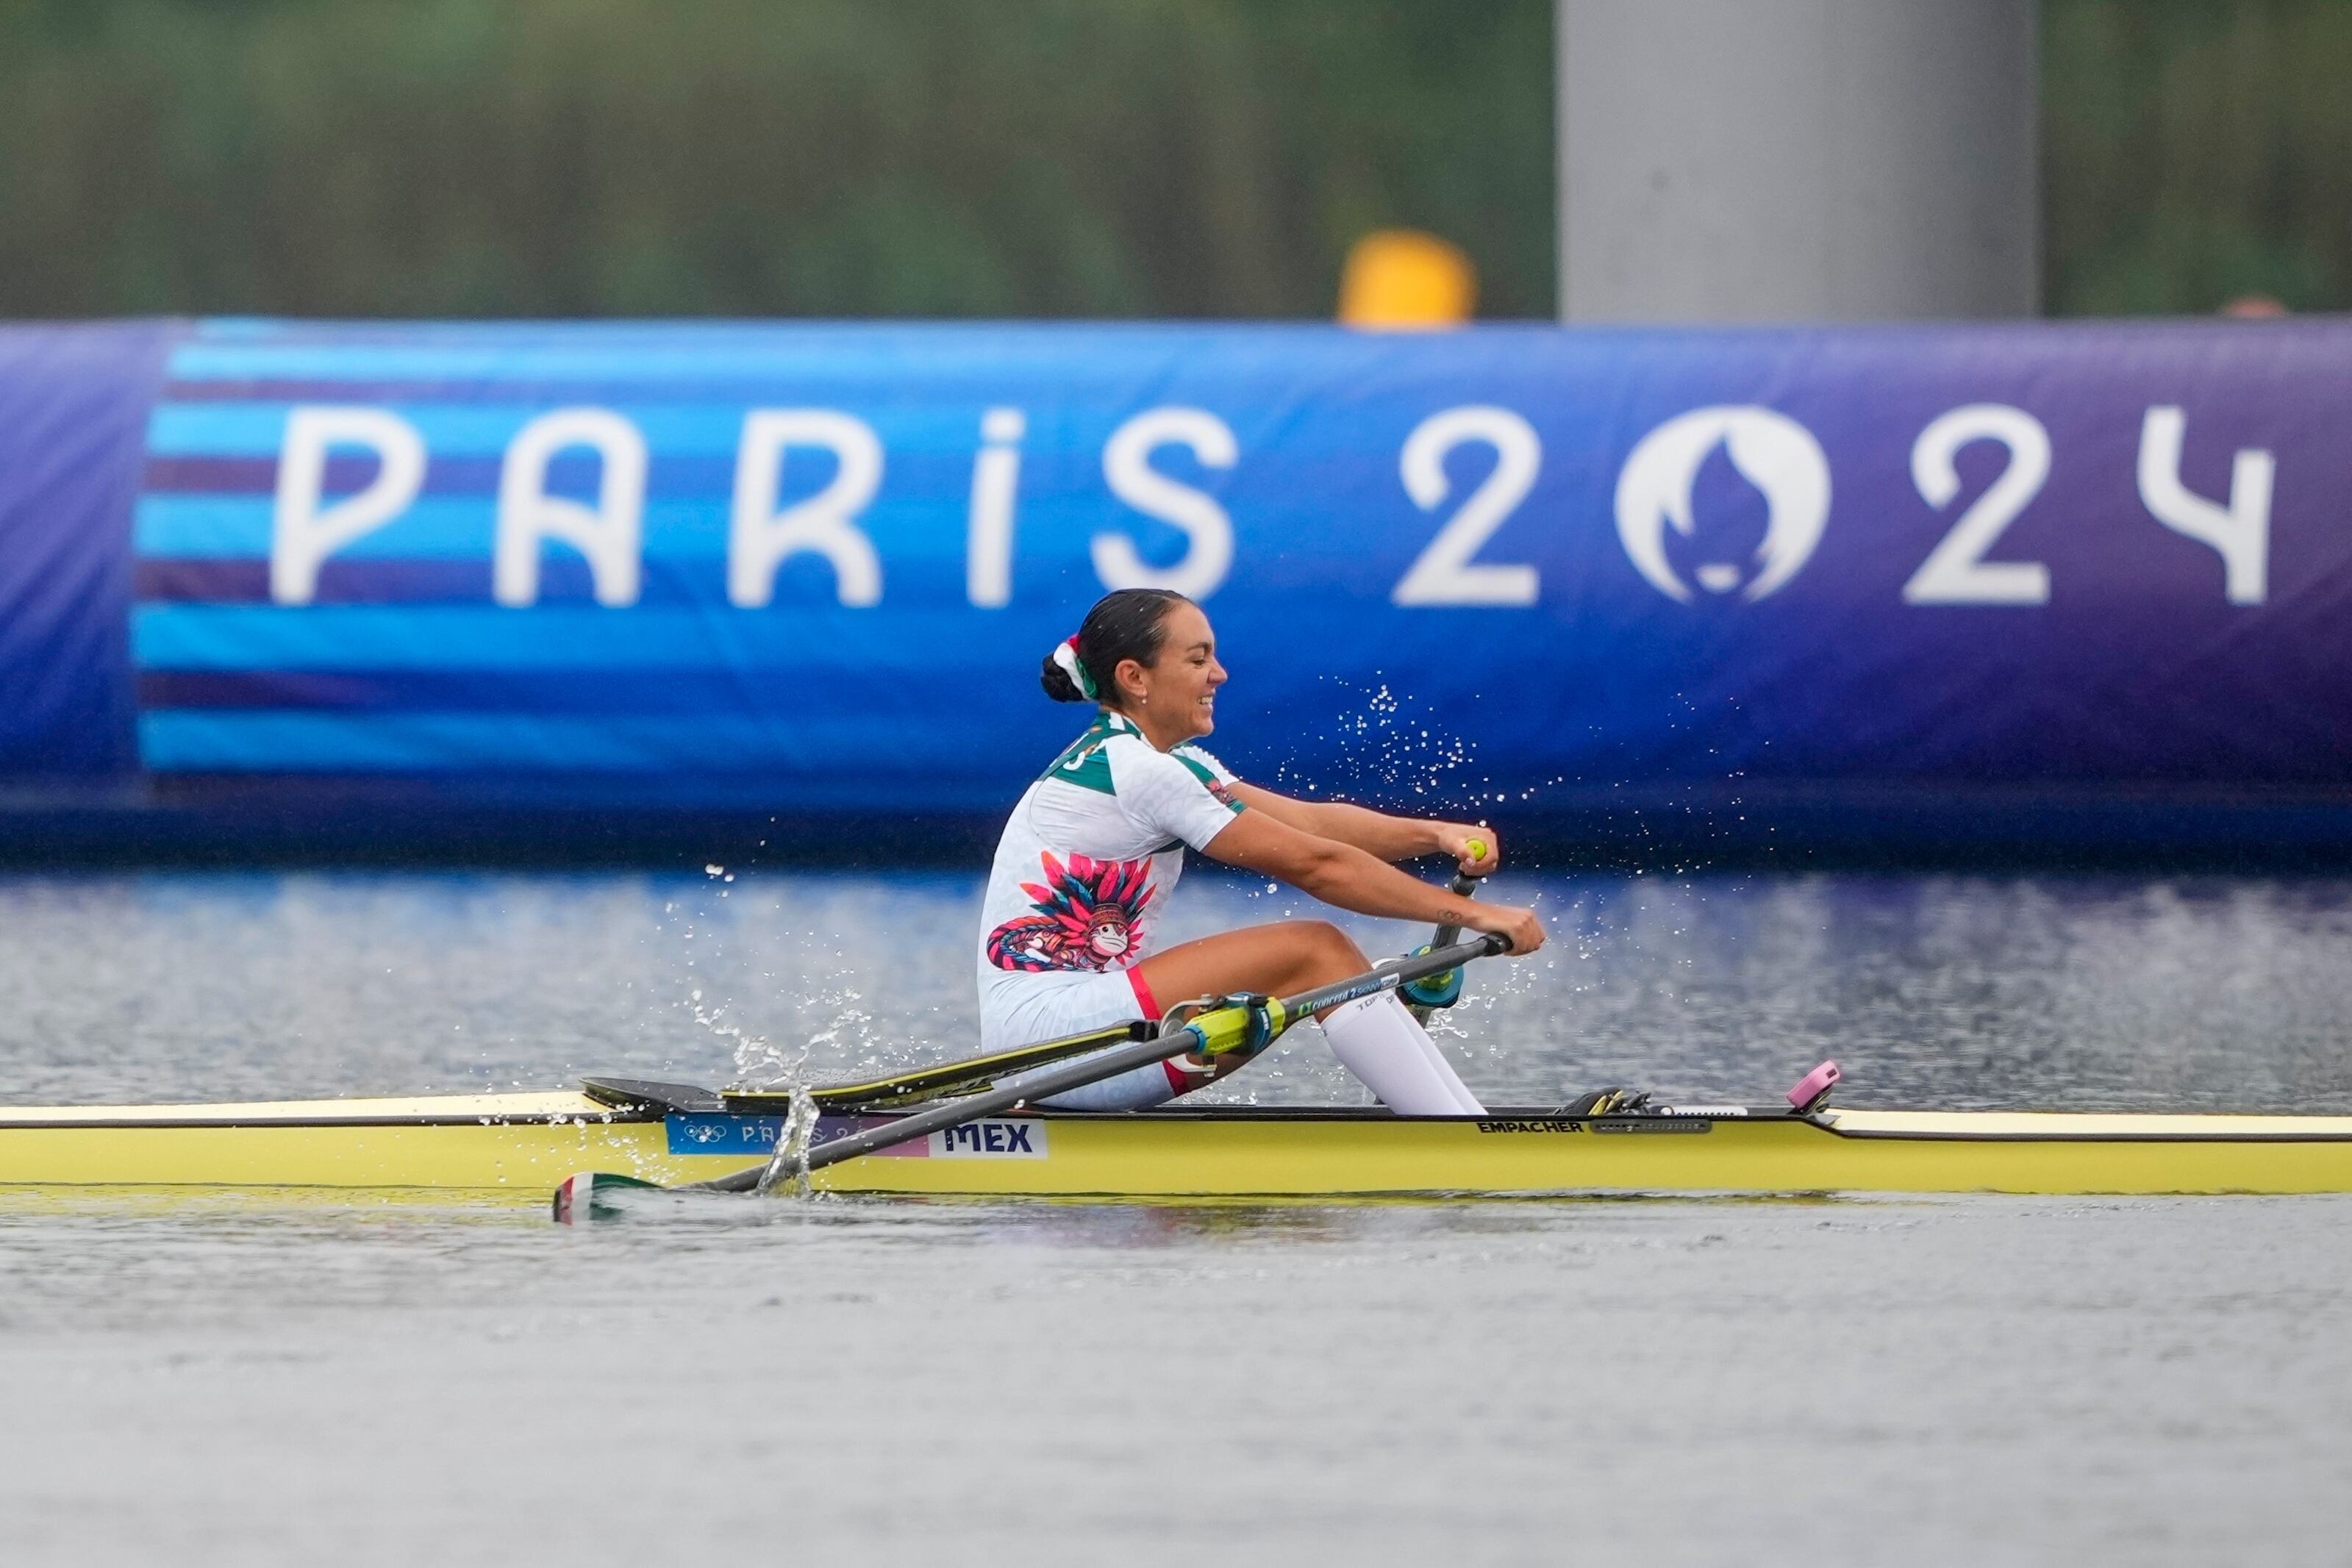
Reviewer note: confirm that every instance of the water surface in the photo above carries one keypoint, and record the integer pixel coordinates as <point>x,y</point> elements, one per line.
<point>2067,993</point>
<point>208,1380</point>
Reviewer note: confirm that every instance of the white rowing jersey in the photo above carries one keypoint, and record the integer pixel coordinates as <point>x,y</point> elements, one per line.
<point>1087,862</point>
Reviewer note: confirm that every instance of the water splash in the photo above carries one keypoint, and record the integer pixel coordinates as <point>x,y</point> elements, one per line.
<point>792,1149</point>
<point>1393,744</point>
<point>760,1063</point>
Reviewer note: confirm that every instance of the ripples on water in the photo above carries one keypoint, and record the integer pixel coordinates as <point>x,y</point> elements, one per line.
<point>2065,992</point>
<point>198,1381</point>
<point>1980,1381</point>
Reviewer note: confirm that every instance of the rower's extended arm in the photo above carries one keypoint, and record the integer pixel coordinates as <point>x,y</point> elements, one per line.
<point>1351,878</point>
<point>1376,833</point>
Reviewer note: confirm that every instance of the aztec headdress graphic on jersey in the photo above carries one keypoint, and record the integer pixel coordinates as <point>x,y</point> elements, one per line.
<point>1089,915</point>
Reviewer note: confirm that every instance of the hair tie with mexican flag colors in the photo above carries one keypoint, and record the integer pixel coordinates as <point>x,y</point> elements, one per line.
<point>1067,656</point>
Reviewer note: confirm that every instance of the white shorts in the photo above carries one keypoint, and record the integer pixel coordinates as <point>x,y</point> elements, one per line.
<point>1019,1008</point>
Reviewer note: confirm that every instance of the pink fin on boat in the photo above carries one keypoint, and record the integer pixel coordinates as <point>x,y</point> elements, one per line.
<point>1814,1087</point>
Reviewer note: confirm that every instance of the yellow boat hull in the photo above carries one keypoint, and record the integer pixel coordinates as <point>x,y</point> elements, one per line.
<point>523,1146</point>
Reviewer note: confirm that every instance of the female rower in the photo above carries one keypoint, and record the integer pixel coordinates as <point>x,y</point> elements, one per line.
<point>1087,864</point>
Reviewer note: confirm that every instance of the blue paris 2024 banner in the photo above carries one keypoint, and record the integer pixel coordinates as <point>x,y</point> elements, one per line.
<point>814,569</point>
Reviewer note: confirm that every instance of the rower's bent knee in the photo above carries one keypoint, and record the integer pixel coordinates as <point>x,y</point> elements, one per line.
<point>1332,952</point>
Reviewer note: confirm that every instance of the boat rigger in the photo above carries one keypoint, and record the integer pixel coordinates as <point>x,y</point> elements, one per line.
<point>520,1146</point>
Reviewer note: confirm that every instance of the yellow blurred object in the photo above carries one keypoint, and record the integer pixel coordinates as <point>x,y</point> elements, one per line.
<point>2255,307</point>
<point>1403,279</point>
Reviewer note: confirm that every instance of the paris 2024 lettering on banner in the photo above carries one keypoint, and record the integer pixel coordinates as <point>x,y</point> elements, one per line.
<point>818,562</point>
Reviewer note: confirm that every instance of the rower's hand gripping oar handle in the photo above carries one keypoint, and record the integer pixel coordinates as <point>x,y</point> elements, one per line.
<point>1460,887</point>
<point>1463,885</point>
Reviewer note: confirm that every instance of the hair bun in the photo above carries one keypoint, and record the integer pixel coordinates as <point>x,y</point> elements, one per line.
<point>1057,682</point>
<point>1124,623</point>
<point>1065,658</point>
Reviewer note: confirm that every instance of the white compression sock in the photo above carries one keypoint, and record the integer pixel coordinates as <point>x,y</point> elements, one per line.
<point>1375,1039</point>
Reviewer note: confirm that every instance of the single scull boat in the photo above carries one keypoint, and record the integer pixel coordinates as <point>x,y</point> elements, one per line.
<point>521,1145</point>
<point>967,1128</point>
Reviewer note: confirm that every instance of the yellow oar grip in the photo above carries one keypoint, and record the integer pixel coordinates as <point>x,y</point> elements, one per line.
<point>1477,848</point>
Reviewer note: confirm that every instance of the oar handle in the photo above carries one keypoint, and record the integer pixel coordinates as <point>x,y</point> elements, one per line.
<point>1388,975</point>
<point>1460,887</point>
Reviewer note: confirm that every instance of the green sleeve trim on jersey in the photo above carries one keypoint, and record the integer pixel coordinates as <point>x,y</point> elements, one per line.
<point>1209,780</point>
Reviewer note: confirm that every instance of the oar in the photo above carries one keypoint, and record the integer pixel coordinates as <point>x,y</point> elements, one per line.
<point>1210,1033</point>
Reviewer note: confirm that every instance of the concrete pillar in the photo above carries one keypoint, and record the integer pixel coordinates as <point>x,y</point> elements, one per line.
<point>1798,160</point>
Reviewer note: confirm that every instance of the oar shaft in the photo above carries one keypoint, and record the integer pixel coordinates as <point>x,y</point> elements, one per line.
<point>1388,973</point>
<point>1384,976</point>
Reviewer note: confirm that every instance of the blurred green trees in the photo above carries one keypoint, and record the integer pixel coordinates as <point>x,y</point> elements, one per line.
<point>2196,150</point>
<point>761,157</point>
<point>1005,158</point>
